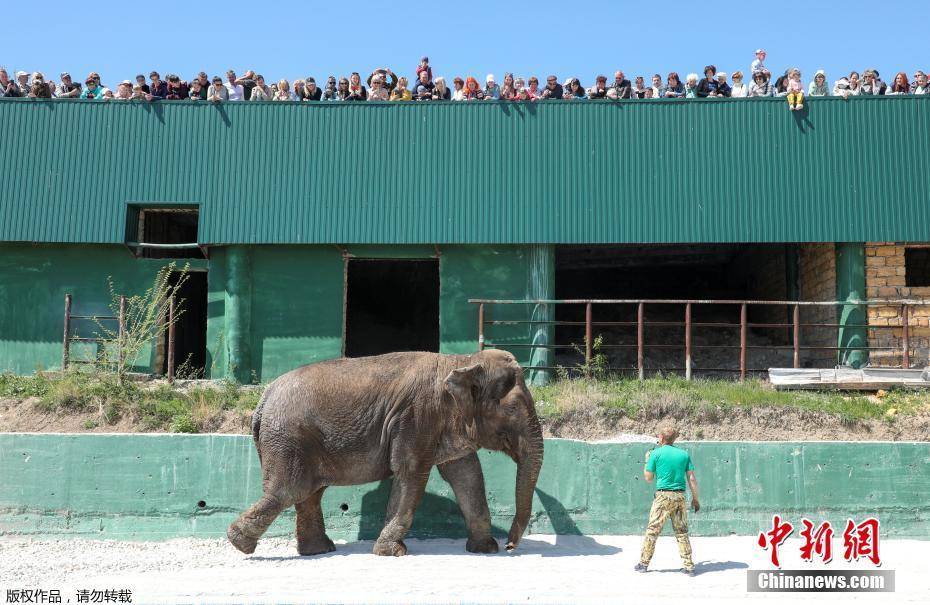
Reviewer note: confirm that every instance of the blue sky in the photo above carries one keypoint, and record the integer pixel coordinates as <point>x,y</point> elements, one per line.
<point>569,38</point>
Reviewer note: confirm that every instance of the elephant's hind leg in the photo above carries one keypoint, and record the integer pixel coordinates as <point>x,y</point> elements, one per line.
<point>311,533</point>
<point>245,531</point>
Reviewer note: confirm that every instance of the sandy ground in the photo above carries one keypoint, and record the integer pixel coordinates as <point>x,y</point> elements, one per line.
<point>545,569</point>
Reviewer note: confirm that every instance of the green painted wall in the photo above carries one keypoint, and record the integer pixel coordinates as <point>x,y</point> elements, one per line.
<point>34,279</point>
<point>512,183</point>
<point>149,487</point>
<point>274,309</point>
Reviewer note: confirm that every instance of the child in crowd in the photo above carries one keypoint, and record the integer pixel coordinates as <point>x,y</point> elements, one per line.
<point>424,66</point>
<point>759,63</point>
<point>795,90</point>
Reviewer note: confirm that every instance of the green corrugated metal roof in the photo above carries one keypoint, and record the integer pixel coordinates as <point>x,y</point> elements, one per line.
<point>556,172</point>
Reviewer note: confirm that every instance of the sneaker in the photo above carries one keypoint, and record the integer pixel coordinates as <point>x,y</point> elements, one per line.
<point>640,568</point>
<point>688,572</point>
<point>800,107</point>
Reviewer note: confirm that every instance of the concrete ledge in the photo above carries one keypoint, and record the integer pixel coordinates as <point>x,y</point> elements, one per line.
<point>158,486</point>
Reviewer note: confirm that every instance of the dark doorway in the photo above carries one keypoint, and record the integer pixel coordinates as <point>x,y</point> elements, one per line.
<point>391,305</point>
<point>190,330</point>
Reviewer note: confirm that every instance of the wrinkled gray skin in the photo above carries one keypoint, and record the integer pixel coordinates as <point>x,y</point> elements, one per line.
<point>352,421</point>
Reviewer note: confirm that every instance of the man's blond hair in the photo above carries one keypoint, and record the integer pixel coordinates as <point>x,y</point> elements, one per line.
<point>668,433</point>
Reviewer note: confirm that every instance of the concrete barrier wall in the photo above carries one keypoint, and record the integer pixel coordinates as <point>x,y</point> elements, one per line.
<point>146,486</point>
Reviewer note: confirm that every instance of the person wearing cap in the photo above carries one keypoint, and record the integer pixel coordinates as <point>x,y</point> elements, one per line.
<point>217,91</point>
<point>124,91</point>
<point>621,88</point>
<point>492,92</point>
<point>920,85</point>
<point>599,90</point>
<point>312,92</point>
<point>424,66</point>
<point>68,88</point>
<point>158,88</point>
<point>92,91</point>
<point>723,89</point>
<point>759,63</point>
<point>818,86</point>
<point>22,82</point>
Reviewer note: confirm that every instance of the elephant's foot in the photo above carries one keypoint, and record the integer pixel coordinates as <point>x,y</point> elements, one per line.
<point>390,549</point>
<point>244,543</point>
<point>315,547</point>
<point>482,545</point>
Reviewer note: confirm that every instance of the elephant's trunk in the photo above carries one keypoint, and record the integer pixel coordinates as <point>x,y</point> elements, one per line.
<point>528,465</point>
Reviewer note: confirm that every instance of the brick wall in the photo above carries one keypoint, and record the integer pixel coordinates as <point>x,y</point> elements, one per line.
<point>817,271</point>
<point>885,277</point>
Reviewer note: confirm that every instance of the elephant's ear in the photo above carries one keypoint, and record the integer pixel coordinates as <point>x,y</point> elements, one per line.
<point>463,384</point>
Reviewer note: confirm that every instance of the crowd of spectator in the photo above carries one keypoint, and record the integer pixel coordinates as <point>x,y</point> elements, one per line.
<point>384,85</point>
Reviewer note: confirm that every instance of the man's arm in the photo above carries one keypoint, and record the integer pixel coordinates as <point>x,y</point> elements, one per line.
<point>648,474</point>
<point>692,483</point>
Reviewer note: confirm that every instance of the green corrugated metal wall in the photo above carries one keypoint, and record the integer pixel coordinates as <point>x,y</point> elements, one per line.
<point>660,171</point>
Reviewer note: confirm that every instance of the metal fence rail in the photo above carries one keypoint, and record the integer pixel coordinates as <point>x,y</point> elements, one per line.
<point>744,325</point>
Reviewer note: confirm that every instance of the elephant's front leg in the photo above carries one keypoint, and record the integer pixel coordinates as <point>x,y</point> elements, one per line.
<point>467,481</point>
<point>406,491</point>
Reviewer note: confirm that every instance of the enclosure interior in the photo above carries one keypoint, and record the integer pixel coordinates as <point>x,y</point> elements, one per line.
<point>677,272</point>
<point>190,344</point>
<point>391,305</point>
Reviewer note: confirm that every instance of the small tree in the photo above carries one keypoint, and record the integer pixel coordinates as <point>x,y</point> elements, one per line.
<point>146,319</point>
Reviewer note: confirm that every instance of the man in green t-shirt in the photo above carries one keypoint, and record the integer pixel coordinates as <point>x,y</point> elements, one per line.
<point>672,468</point>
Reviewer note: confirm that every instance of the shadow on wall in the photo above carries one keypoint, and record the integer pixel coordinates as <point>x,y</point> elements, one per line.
<point>438,516</point>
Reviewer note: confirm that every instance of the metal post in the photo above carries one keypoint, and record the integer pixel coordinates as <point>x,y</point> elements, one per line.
<point>797,335</point>
<point>640,358</point>
<point>171,339</point>
<point>121,332</point>
<point>905,340</point>
<point>742,342</point>
<point>587,334</point>
<point>688,341</point>
<point>481,326</point>
<point>66,341</point>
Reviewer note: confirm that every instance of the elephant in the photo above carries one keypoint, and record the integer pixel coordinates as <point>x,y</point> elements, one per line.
<point>350,421</point>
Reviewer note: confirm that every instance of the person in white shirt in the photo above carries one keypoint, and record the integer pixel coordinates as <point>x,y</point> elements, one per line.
<point>233,90</point>
<point>739,89</point>
<point>759,64</point>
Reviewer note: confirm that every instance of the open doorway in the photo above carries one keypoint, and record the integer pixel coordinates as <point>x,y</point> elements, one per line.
<point>190,330</point>
<point>391,305</point>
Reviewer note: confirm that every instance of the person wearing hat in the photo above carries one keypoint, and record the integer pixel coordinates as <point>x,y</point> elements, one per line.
<point>491,90</point>
<point>312,92</point>
<point>759,63</point>
<point>22,82</point>
<point>92,90</point>
<point>723,89</point>
<point>124,91</point>
<point>68,88</point>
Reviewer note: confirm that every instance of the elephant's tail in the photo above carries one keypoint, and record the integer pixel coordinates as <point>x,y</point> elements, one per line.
<point>257,421</point>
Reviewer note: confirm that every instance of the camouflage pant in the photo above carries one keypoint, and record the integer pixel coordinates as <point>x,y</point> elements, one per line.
<point>665,505</point>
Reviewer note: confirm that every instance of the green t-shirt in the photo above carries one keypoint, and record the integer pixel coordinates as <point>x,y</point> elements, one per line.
<point>670,464</point>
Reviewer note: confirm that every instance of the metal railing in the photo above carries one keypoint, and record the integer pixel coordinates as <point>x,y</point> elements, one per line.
<point>69,336</point>
<point>794,326</point>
